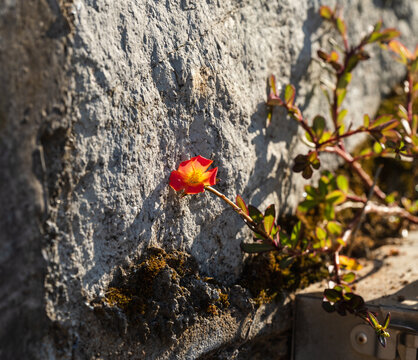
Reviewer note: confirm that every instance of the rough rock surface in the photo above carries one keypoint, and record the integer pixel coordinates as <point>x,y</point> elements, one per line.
<point>100,100</point>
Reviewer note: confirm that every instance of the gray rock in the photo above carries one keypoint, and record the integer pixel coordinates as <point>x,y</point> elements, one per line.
<point>100,101</point>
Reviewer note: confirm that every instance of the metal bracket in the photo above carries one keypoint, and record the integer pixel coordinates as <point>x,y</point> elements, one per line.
<point>320,335</point>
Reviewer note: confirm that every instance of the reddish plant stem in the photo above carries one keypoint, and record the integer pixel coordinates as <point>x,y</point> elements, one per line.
<point>364,156</point>
<point>409,101</point>
<point>391,210</point>
<point>343,36</point>
<point>275,100</point>
<point>339,137</point>
<point>356,198</point>
<point>357,168</point>
<point>334,105</point>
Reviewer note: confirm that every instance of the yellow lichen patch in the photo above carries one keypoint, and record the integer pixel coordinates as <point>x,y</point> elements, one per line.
<point>264,298</point>
<point>223,299</point>
<point>212,309</point>
<point>116,297</point>
<point>133,290</point>
<point>153,266</point>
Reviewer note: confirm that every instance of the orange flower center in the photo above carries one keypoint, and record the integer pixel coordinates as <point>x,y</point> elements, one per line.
<point>195,177</point>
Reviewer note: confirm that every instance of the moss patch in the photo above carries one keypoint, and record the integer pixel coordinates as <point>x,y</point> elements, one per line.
<point>267,280</point>
<point>160,295</point>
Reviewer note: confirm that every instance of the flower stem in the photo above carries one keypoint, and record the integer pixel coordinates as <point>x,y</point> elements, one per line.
<point>247,219</point>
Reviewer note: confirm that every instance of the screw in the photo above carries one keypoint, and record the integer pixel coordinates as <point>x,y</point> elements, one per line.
<point>361,338</point>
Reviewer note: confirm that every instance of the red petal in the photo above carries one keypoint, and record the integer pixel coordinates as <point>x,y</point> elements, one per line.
<point>198,163</point>
<point>186,167</point>
<point>196,189</point>
<point>201,163</point>
<point>209,177</point>
<point>177,180</point>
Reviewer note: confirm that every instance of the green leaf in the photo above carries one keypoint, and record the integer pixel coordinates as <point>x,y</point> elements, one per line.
<point>373,320</point>
<point>389,34</point>
<point>344,80</point>
<point>382,36</point>
<point>341,116</point>
<point>332,295</point>
<point>342,183</point>
<point>386,322</point>
<point>269,217</point>
<point>381,120</point>
<point>342,28</point>
<point>374,36</point>
<point>414,65</point>
<point>352,62</point>
<point>322,185</point>
<point>334,228</point>
<point>340,96</point>
<point>274,230</point>
<point>255,214</point>
<point>318,126</point>
<point>349,263</point>
<point>344,287</point>
<point>314,160</point>
<point>377,147</point>
<point>341,129</point>
<point>391,198</point>
<point>272,81</point>
<point>366,120</point>
<point>284,239</point>
<point>269,116</point>
<point>321,234</point>
<point>311,191</point>
<point>241,204</point>
<point>341,241</point>
<point>335,197</point>
<point>252,248</point>
<point>329,212</point>
<point>349,277</point>
<point>378,26</point>
<point>295,235</point>
<point>306,205</point>
<point>289,94</point>
<point>326,12</point>
<point>326,136</point>
<point>308,137</point>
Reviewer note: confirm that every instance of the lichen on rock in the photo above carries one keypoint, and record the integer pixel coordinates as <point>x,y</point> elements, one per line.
<point>160,295</point>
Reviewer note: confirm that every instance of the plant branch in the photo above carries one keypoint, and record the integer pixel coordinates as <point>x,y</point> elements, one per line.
<point>357,168</point>
<point>409,101</point>
<point>247,219</point>
<point>339,137</point>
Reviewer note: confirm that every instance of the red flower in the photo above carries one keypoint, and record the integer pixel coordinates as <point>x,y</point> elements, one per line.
<point>192,176</point>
